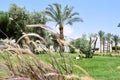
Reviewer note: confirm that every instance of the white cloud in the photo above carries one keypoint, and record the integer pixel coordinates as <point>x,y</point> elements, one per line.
<point>68,31</point>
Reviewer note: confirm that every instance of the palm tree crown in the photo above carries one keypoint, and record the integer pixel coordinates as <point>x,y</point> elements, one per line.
<point>62,16</point>
<point>101,37</point>
<point>116,39</point>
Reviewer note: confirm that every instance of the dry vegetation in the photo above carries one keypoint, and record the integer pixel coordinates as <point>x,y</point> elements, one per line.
<point>20,63</point>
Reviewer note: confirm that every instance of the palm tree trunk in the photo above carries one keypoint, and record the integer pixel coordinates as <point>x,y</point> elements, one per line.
<point>100,46</point>
<point>61,37</point>
<point>95,44</point>
<point>109,47</point>
<point>103,46</point>
<point>115,47</point>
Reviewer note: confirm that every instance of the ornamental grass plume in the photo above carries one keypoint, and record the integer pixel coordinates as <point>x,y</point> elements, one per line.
<point>27,66</point>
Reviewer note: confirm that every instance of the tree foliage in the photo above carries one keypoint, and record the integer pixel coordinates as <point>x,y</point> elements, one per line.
<point>18,18</point>
<point>4,22</point>
<point>13,22</point>
<point>85,46</point>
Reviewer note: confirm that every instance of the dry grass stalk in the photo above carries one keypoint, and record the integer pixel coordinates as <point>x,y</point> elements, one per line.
<point>86,78</point>
<point>118,67</point>
<point>30,34</point>
<point>81,69</point>
<point>34,68</point>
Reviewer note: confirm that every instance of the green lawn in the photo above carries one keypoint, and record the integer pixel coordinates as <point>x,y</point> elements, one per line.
<point>99,67</point>
<point>102,68</point>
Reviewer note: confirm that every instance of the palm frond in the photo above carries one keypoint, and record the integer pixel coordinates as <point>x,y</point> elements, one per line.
<point>51,11</point>
<point>51,15</point>
<point>118,25</point>
<point>116,38</point>
<point>67,12</point>
<point>101,34</point>
<point>70,21</point>
<point>58,11</point>
<point>73,14</point>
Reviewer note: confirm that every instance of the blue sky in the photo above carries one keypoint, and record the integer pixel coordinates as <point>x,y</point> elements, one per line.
<point>97,14</point>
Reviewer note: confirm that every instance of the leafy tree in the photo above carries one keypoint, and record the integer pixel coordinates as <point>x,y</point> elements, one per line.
<point>18,18</point>
<point>101,37</point>
<point>116,40</point>
<point>62,16</point>
<point>86,46</point>
<point>36,18</point>
<point>4,22</point>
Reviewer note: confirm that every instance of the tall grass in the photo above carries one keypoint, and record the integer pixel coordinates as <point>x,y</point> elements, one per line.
<point>22,63</point>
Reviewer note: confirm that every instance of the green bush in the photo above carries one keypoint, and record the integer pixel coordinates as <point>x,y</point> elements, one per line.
<point>118,48</point>
<point>72,50</point>
<point>96,49</point>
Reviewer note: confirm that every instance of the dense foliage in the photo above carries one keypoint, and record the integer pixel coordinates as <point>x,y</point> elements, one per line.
<point>13,23</point>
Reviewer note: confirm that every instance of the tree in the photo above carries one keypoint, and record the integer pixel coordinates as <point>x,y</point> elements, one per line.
<point>116,40</point>
<point>93,41</point>
<point>92,44</point>
<point>118,25</point>
<point>61,17</point>
<point>87,47</point>
<point>4,22</point>
<point>36,18</point>
<point>18,17</point>
<point>108,38</point>
<point>101,35</point>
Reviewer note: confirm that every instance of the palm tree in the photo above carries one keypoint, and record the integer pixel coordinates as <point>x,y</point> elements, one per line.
<point>118,25</point>
<point>61,17</point>
<point>116,39</point>
<point>93,40</point>
<point>101,35</point>
<point>108,38</point>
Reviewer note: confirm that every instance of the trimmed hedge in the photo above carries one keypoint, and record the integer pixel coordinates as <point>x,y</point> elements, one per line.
<point>96,49</point>
<point>118,48</point>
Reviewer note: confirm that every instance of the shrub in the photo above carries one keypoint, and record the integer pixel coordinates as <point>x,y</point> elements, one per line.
<point>72,50</point>
<point>96,49</point>
<point>113,47</point>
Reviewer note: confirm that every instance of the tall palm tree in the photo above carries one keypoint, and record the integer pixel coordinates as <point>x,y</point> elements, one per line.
<point>62,16</point>
<point>111,42</point>
<point>104,43</point>
<point>108,38</point>
<point>116,40</point>
<point>93,40</point>
<point>101,36</point>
